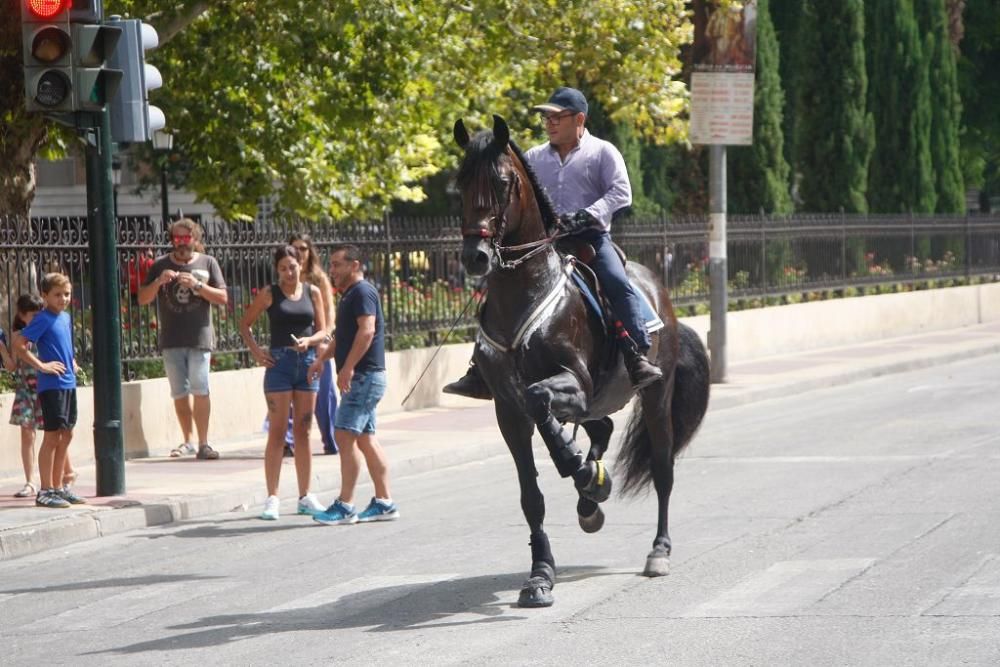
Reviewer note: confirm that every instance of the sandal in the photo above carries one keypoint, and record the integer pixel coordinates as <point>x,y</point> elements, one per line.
<point>205,452</point>
<point>182,450</point>
<point>28,491</point>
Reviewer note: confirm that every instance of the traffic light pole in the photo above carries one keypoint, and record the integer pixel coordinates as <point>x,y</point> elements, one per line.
<point>109,447</point>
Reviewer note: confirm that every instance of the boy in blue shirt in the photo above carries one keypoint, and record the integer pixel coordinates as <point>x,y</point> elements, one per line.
<point>51,330</point>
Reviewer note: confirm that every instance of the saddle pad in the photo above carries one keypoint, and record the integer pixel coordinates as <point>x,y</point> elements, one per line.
<point>646,311</point>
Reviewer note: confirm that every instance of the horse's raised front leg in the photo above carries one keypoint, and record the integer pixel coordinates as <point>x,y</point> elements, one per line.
<point>563,395</point>
<point>589,513</point>
<point>537,589</point>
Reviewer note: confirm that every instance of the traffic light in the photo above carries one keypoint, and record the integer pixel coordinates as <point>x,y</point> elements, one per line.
<point>133,118</point>
<point>46,39</point>
<point>94,84</point>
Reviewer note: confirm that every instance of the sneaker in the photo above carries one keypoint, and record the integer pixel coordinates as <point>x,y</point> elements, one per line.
<point>339,513</point>
<point>49,498</point>
<point>206,453</point>
<point>271,511</point>
<point>308,504</point>
<point>66,494</point>
<point>186,449</point>
<point>379,510</point>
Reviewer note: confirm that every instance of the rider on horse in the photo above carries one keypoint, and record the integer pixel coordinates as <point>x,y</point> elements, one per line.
<point>585,178</point>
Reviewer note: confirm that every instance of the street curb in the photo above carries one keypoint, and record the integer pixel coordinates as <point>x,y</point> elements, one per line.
<point>104,521</point>
<point>92,523</point>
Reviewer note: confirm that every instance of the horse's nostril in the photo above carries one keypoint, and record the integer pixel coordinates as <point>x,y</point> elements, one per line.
<point>482,258</point>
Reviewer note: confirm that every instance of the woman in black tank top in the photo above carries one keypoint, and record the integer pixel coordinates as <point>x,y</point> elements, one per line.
<point>297,322</point>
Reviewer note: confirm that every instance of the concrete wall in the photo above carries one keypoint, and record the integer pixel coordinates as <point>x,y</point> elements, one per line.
<point>238,404</point>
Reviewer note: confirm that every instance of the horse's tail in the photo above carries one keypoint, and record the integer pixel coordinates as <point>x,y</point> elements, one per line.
<point>687,408</point>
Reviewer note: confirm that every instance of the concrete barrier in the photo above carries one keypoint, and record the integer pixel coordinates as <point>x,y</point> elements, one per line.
<point>238,403</point>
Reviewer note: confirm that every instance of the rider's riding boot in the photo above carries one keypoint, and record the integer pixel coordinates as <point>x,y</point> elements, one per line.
<point>641,373</point>
<point>470,385</point>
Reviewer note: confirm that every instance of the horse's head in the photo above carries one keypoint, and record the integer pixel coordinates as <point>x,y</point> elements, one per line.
<point>496,197</point>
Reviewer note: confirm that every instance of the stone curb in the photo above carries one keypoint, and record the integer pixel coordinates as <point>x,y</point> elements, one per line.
<point>100,522</point>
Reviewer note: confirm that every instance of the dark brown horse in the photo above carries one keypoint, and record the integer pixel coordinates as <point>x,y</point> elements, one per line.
<point>548,361</point>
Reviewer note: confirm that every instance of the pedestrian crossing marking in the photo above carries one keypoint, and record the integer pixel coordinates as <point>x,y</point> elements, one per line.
<point>978,596</point>
<point>784,588</point>
<point>379,589</point>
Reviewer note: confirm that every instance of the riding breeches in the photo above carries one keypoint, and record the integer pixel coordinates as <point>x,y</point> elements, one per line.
<point>619,291</point>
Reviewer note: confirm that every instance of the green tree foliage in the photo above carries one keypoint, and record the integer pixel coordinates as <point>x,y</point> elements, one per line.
<point>900,177</point>
<point>946,107</point>
<point>337,108</point>
<point>785,16</point>
<point>980,90</point>
<point>834,132</point>
<point>758,174</point>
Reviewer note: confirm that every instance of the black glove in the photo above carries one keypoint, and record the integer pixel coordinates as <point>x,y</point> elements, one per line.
<point>579,221</point>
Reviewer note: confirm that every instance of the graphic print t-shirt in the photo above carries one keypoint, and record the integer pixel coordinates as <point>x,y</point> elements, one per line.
<point>185,319</point>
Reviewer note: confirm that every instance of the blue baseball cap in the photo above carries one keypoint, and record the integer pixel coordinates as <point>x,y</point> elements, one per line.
<point>564,99</point>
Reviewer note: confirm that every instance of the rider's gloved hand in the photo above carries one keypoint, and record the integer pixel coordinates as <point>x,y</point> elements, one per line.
<point>579,221</point>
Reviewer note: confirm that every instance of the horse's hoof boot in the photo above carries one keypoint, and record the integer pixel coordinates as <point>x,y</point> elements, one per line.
<point>598,488</point>
<point>536,592</point>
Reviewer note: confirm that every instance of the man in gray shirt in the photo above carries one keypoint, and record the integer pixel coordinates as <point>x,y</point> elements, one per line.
<point>185,284</point>
<point>586,179</point>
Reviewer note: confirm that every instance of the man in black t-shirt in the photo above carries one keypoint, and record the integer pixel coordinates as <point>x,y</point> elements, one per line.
<point>359,348</point>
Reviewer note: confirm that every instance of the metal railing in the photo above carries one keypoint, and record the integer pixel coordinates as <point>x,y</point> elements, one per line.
<point>415,264</point>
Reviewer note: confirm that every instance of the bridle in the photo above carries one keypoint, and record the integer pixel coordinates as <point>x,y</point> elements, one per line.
<point>494,227</point>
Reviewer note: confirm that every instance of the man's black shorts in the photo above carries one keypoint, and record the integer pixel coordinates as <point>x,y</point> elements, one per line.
<point>58,409</point>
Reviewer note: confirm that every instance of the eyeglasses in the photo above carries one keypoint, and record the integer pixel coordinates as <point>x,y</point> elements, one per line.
<point>182,238</point>
<point>554,118</point>
<point>301,248</point>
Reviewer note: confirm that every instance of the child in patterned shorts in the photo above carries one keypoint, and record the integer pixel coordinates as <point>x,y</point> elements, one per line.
<point>26,410</point>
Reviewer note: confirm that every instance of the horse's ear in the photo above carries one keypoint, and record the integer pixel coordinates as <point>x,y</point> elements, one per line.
<point>501,133</point>
<point>461,134</point>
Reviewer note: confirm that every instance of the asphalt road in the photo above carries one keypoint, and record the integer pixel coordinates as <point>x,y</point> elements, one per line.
<point>851,526</point>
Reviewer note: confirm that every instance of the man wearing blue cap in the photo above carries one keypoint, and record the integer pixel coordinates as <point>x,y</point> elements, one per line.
<point>586,179</point>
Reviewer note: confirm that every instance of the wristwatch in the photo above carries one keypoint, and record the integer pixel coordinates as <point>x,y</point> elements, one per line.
<point>327,339</point>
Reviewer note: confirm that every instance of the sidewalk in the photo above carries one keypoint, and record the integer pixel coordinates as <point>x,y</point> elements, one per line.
<point>163,490</point>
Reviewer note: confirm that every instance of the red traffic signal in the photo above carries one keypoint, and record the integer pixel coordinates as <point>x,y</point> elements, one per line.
<point>47,9</point>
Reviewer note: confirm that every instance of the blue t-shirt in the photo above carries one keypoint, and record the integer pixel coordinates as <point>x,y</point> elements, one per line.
<point>361,298</point>
<point>53,338</point>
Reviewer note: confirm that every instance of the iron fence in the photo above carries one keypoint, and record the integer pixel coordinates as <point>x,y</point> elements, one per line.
<point>415,264</point>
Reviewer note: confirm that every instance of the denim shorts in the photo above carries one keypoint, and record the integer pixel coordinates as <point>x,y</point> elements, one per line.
<point>290,371</point>
<point>187,370</point>
<point>356,412</point>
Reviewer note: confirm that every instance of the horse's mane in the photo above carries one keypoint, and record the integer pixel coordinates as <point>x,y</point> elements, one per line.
<point>481,155</point>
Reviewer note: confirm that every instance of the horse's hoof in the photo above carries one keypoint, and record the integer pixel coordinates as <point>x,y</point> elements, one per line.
<point>598,488</point>
<point>536,592</point>
<point>592,523</point>
<point>657,564</point>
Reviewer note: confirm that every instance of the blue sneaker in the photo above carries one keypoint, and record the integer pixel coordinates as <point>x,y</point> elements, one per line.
<point>339,513</point>
<point>379,510</point>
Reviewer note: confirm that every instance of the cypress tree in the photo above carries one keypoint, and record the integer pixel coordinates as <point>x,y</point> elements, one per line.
<point>945,106</point>
<point>785,15</point>
<point>900,177</point>
<point>758,174</point>
<point>834,131</point>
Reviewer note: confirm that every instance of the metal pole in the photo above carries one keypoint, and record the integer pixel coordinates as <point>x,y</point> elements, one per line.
<point>717,261</point>
<point>109,448</point>
<point>163,192</point>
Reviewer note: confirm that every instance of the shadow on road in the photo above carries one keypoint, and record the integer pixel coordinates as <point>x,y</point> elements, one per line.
<point>420,606</point>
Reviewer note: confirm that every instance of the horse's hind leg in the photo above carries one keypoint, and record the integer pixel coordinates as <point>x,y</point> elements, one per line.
<point>537,589</point>
<point>656,416</point>
<point>561,394</point>
<point>589,513</point>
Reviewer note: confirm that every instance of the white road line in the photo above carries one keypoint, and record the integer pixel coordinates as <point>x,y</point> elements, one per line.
<point>783,588</point>
<point>376,590</point>
<point>114,610</point>
<point>979,596</point>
